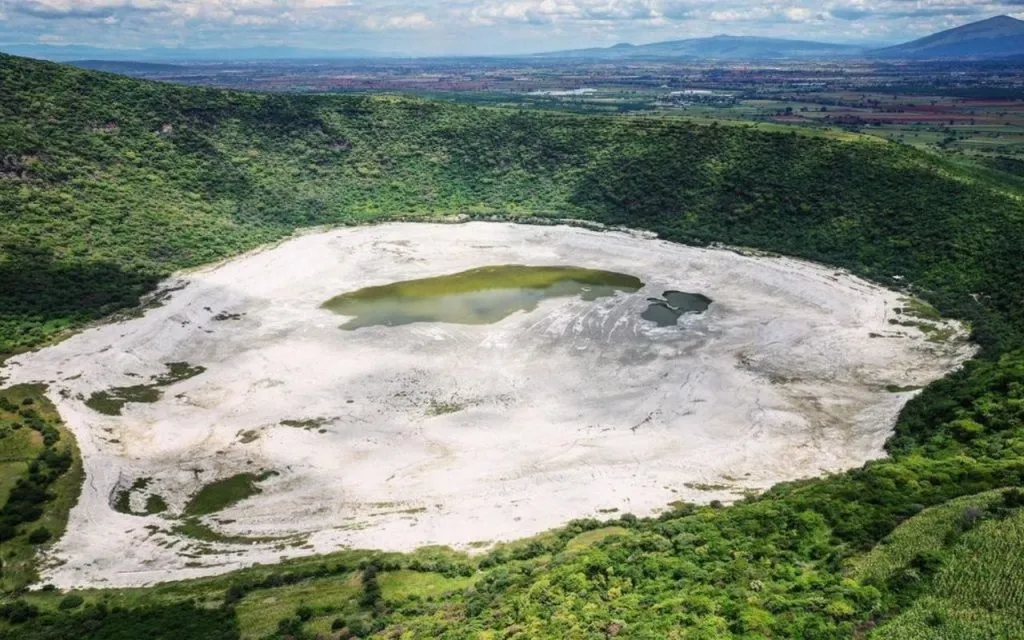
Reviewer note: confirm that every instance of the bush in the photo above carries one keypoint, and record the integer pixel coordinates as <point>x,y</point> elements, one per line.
<point>18,611</point>
<point>371,588</point>
<point>39,535</point>
<point>359,627</point>
<point>71,601</point>
<point>1013,499</point>
<point>234,593</point>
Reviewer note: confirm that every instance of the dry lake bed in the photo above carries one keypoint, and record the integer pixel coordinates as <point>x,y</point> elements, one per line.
<point>402,385</point>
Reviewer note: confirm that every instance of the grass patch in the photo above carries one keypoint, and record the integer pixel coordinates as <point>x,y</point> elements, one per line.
<point>9,474</point>
<point>396,585</point>
<point>178,371</point>
<point>28,405</point>
<point>123,502</point>
<point>112,401</point>
<point>702,486</point>
<point>17,442</point>
<point>308,424</point>
<point>933,333</point>
<point>921,309</point>
<point>245,437</point>
<point>895,388</point>
<point>196,529</point>
<point>588,539</point>
<point>155,504</point>
<point>223,493</point>
<point>259,612</point>
<point>441,408</point>
<point>939,334</point>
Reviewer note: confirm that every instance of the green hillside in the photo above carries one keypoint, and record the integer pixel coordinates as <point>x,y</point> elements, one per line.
<point>974,589</point>
<point>108,184</point>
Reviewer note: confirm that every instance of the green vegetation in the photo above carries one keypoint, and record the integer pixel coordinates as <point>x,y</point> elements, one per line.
<point>101,621</point>
<point>587,539</point>
<point>259,614</point>
<point>972,588</point>
<point>112,183</point>
<point>123,498</point>
<point>444,407</point>
<point>920,309</point>
<point>225,492</point>
<point>112,401</point>
<point>921,534</point>
<point>40,477</point>
<point>193,527</point>
<point>309,424</point>
<point>155,504</point>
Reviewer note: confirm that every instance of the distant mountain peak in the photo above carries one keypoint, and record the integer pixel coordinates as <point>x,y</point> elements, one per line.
<point>1003,19</point>
<point>994,37</point>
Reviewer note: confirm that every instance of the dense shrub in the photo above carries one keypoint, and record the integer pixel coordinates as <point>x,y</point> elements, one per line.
<point>39,535</point>
<point>71,601</point>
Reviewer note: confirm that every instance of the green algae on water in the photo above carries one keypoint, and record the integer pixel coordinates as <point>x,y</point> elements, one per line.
<point>478,296</point>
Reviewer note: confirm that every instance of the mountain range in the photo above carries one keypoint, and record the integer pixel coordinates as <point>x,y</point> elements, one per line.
<point>1001,36</point>
<point>997,37</point>
<point>722,47</point>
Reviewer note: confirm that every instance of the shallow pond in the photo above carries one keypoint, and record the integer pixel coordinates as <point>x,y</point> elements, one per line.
<point>479,296</point>
<point>666,311</point>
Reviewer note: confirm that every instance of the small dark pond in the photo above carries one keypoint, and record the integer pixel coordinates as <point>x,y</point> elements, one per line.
<point>666,311</point>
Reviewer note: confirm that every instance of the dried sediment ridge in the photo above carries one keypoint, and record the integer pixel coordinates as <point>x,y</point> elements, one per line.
<point>430,433</point>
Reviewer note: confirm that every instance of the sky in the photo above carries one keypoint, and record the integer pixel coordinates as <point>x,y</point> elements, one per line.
<point>469,27</point>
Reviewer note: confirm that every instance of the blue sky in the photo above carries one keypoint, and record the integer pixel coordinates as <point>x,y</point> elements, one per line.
<point>425,27</point>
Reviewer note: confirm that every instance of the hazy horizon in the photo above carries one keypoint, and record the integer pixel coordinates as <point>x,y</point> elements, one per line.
<point>468,27</point>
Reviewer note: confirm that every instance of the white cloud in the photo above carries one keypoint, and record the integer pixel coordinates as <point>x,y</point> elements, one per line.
<point>491,12</point>
<point>411,21</point>
<point>478,25</point>
<point>797,14</point>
